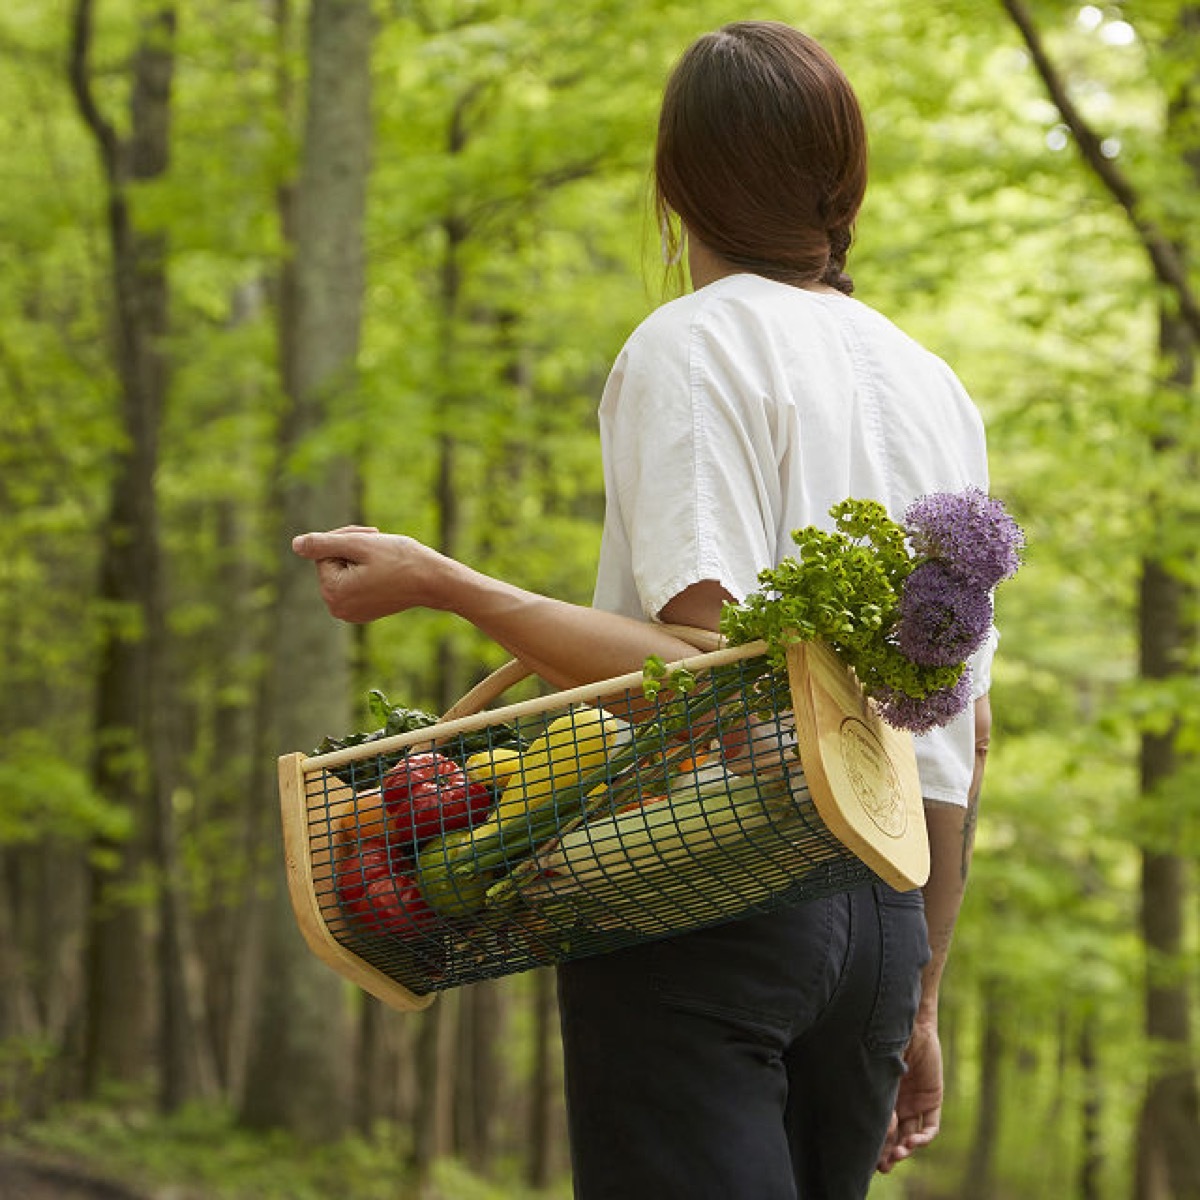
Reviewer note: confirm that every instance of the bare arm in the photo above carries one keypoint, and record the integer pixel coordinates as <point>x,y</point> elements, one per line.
<point>951,841</point>
<point>365,575</point>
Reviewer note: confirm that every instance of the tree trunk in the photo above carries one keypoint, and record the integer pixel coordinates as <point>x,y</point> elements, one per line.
<point>383,1093</point>
<point>979,1181</point>
<point>480,1080</point>
<point>19,1023</point>
<point>433,1127</point>
<point>1168,1150</point>
<point>128,749</point>
<point>300,1071</point>
<point>1091,1159</point>
<point>434,1118</point>
<point>226,776</point>
<point>371,1077</point>
<point>545,1086</point>
<point>1168,1147</point>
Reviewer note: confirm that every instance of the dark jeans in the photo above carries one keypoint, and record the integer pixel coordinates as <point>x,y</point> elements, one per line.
<point>755,1061</point>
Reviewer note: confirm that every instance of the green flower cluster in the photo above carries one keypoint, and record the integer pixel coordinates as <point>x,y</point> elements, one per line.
<point>843,587</point>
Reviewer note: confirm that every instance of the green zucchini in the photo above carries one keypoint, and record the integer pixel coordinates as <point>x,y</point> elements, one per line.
<point>721,815</point>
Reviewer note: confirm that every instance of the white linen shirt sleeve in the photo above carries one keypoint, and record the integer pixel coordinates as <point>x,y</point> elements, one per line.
<point>685,442</point>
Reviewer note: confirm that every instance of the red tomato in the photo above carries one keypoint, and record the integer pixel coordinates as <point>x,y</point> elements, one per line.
<point>428,795</point>
<point>354,872</point>
<point>395,905</point>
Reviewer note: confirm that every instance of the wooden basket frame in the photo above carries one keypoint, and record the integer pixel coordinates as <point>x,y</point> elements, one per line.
<point>861,775</point>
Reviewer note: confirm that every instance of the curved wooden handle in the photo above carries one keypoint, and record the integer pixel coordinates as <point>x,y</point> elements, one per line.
<point>513,671</point>
<point>488,689</point>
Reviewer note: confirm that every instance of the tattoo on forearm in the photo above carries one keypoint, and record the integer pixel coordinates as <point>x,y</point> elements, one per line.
<point>970,819</point>
<point>940,937</point>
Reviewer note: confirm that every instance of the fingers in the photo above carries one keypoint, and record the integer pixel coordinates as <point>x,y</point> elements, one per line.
<point>886,1161</point>
<point>893,1156</point>
<point>905,1137</point>
<point>919,1129</point>
<point>922,1137</point>
<point>306,545</point>
<point>336,579</point>
<point>343,543</point>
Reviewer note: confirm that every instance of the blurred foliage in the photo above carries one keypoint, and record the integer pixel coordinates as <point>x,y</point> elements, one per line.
<point>201,1154</point>
<point>510,251</point>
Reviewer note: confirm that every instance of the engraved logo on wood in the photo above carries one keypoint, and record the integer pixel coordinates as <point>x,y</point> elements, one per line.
<point>873,777</point>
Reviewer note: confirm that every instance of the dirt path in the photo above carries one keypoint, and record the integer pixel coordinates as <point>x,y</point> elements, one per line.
<point>23,1178</point>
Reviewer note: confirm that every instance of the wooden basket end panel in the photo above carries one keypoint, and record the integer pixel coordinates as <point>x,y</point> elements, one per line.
<point>861,772</point>
<point>298,859</point>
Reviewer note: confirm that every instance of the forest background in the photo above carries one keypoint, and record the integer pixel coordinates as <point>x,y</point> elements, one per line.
<point>272,266</point>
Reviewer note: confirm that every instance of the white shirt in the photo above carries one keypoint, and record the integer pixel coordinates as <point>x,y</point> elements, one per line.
<point>746,410</point>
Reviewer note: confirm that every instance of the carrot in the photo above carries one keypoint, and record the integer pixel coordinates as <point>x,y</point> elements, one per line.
<point>643,802</point>
<point>692,763</point>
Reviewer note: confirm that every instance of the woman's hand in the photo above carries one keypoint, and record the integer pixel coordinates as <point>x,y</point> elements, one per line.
<point>364,574</point>
<point>918,1115</point>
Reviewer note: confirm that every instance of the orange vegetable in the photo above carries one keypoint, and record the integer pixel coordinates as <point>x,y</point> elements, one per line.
<point>692,763</point>
<point>357,820</point>
<point>644,802</point>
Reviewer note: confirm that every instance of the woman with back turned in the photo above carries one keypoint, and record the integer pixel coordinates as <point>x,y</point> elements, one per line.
<point>764,1059</point>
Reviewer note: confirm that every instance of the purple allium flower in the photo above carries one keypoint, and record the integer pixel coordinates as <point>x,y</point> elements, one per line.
<point>920,716</point>
<point>970,531</point>
<point>943,617</point>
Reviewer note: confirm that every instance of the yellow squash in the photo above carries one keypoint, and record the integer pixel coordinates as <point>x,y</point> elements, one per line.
<point>493,767</point>
<point>572,746</point>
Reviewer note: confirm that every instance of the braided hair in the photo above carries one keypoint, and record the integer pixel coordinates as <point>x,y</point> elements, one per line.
<point>762,153</point>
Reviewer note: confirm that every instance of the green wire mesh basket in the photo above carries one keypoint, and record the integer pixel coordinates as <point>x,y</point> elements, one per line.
<point>501,840</point>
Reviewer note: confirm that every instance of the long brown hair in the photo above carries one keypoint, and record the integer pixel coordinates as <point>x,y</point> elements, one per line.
<point>762,153</point>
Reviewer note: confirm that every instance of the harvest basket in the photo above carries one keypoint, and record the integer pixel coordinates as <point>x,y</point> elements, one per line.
<point>742,792</point>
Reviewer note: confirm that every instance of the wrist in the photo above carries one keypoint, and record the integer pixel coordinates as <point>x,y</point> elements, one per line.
<point>444,583</point>
<point>927,1011</point>
<point>490,604</point>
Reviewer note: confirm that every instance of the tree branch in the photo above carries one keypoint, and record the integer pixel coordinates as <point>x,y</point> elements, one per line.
<point>79,74</point>
<point>1165,258</point>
